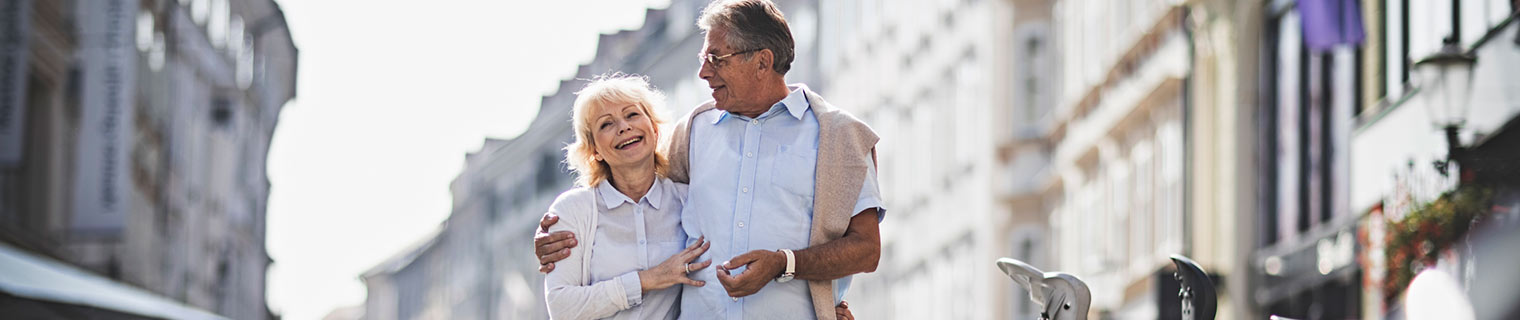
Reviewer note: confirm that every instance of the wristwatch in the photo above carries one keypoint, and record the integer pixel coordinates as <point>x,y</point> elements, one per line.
<point>791,267</point>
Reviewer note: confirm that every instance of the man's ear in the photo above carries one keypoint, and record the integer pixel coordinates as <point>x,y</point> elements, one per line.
<point>766,58</point>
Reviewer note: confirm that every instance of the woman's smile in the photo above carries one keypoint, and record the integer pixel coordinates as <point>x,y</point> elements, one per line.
<point>631,142</point>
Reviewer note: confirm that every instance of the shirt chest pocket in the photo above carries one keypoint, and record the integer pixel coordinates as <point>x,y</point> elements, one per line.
<point>793,169</point>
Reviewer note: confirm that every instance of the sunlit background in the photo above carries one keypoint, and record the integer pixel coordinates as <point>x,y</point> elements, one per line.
<point>393,95</point>
<point>303,159</point>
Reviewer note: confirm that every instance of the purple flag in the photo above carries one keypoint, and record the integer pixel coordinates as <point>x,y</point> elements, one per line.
<point>1327,23</point>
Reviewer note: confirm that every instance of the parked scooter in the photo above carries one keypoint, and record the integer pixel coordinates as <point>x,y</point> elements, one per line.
<point>1063,296</point>
<point>1199,301</point>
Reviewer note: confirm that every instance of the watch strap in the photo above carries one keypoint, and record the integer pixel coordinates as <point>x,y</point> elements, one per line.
<point>791,262</point>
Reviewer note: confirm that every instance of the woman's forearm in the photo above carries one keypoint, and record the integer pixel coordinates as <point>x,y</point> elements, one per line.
<point>598,300</point>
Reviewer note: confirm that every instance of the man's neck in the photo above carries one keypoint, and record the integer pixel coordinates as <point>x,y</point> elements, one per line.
<point>773,95</point>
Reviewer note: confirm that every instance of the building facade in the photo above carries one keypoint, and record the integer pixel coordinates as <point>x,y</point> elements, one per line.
<point>1398,135</point>
<point>1085,136</point>
<point>1347,136</point>
<point>1118,150</point>
<point>935,80</point>
<point>132,152</point>
<point>1310,96</point>
<point>1023,149</point>
<point>479,264</point>
<point>1090,137</point>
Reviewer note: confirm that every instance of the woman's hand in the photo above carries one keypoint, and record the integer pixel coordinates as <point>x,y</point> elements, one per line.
<point>673,271</point>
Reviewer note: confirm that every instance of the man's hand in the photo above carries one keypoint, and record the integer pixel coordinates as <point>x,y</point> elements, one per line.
<point>842,311</point>
<point>551,247</point>
<point>764,266</point>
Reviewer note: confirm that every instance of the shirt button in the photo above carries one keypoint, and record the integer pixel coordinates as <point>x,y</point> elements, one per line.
<point>749,154</point>
<point>744,190</point>
<point>741,224</point>
<point>641,242</point>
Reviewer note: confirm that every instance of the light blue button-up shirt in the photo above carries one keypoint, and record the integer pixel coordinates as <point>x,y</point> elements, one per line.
<point>752,189</point>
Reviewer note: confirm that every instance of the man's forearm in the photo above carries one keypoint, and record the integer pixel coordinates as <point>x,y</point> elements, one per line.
<point>858,251</point>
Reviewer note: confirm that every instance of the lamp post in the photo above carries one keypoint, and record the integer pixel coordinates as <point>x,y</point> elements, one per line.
<point>1445,80</point>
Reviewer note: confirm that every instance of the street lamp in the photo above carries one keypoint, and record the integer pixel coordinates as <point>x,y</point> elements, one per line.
<point>1445,80</point>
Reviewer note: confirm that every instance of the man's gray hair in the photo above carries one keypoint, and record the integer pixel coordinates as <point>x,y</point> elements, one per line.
<point>752,25</point>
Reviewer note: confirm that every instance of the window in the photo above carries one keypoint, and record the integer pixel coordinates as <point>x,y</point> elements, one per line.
<point>1032,78</point>
<point>1311,99</point>
<point>1024,250</point>
<point>1142,221</point>
<point>1415,29</point>
<point>221,112</point>
<point>1396,50</point>
<point>1118,199</point>
<point>967,102</point>
<point>1169,163</point>
<point>494,207</point>
<point>549,172</point>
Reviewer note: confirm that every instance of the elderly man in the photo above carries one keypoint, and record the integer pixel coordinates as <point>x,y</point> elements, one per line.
<point>781,182</point>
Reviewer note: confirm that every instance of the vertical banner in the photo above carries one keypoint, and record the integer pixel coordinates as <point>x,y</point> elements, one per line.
<point>108,71</point>
<point>15,33</point>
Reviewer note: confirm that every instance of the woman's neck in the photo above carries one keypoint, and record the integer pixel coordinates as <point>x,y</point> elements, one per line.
<point>633,180</point>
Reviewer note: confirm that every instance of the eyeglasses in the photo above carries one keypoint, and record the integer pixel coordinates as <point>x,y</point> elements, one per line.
<point>714,59</point>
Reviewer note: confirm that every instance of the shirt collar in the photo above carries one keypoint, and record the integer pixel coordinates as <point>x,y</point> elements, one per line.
<point>796,103</point>
<point>613,198</point>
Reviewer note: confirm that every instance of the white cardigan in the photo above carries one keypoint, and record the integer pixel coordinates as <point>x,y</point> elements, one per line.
<point>573,295</point>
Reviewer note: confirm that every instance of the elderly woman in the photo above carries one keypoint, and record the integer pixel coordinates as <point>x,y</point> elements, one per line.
<point>623,208</point>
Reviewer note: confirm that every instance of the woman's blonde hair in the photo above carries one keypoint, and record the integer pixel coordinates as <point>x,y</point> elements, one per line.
<point>615,89</point>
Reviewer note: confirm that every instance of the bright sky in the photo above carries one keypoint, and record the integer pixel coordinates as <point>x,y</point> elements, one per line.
<point>392,94</point>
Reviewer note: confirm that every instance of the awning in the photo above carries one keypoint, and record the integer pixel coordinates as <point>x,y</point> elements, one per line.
<point>26,275</point>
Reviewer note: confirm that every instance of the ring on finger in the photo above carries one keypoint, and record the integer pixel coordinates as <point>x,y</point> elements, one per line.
<point>688,268</point>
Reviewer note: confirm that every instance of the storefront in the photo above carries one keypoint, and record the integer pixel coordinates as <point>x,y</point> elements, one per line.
<point>1314,277</point>
<point>37,287</point>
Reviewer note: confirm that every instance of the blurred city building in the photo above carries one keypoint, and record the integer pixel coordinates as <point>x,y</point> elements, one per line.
<point>1408,121</point>
<point>1271,141</point>
<point>479,264</point>
<point>1117,149</point>
<point>1099,137</point>
<point>1055,132</point>
<point>957,91</point>
<point>1309,95</point>
<point>133,139</point>
<point>1123,173</point>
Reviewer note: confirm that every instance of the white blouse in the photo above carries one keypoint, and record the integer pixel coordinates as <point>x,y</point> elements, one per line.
<point>628,236</point>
